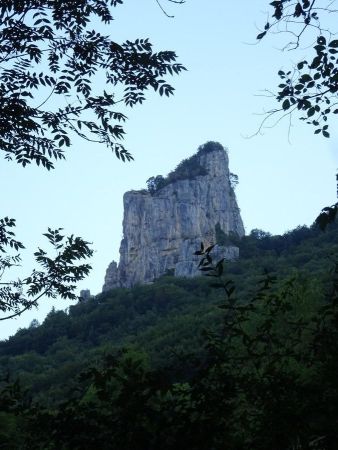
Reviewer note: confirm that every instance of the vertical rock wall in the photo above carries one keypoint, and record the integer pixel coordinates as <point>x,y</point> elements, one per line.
<point>162,230</point>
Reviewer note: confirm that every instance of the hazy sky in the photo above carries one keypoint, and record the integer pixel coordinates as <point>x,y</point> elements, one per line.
<point>283,181</point>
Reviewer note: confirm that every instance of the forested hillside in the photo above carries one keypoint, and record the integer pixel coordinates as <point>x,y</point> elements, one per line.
<point>165,318</point>
<point>246,357</point>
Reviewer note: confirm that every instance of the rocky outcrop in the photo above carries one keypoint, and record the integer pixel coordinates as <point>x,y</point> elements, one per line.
<point>165,225</point>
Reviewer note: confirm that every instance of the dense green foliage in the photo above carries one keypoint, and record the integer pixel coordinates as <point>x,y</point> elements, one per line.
<point>208,363</point>
<point>48,49</point>
<point>171,310</point>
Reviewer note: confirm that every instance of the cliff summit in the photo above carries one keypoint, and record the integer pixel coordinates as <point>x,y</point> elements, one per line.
<point>164,225</point>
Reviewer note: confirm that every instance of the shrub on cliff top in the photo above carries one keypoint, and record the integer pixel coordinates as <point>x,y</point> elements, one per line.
<point>188,169</point>
<point>210,146</point>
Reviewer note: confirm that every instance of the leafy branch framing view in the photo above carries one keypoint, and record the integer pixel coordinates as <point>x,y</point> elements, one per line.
<point>267,378</point>
<point>47,47</point>
<point>308,90</point>
<point>57,278</point>
<point>50,65</point>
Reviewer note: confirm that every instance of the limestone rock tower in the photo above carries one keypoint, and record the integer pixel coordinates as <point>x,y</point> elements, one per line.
<point>164,225</point>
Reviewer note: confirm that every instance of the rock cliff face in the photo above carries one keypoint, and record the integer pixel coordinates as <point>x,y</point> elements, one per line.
<point>165,225</point>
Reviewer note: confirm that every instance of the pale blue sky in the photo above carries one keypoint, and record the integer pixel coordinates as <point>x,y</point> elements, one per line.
<point>282,184</point>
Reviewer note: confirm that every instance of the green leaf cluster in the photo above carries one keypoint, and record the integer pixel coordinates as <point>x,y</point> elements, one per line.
<point>50,59</point>
<point>310,88</point>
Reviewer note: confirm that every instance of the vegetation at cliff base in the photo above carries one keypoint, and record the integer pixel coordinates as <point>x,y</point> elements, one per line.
<point>238,361</point>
